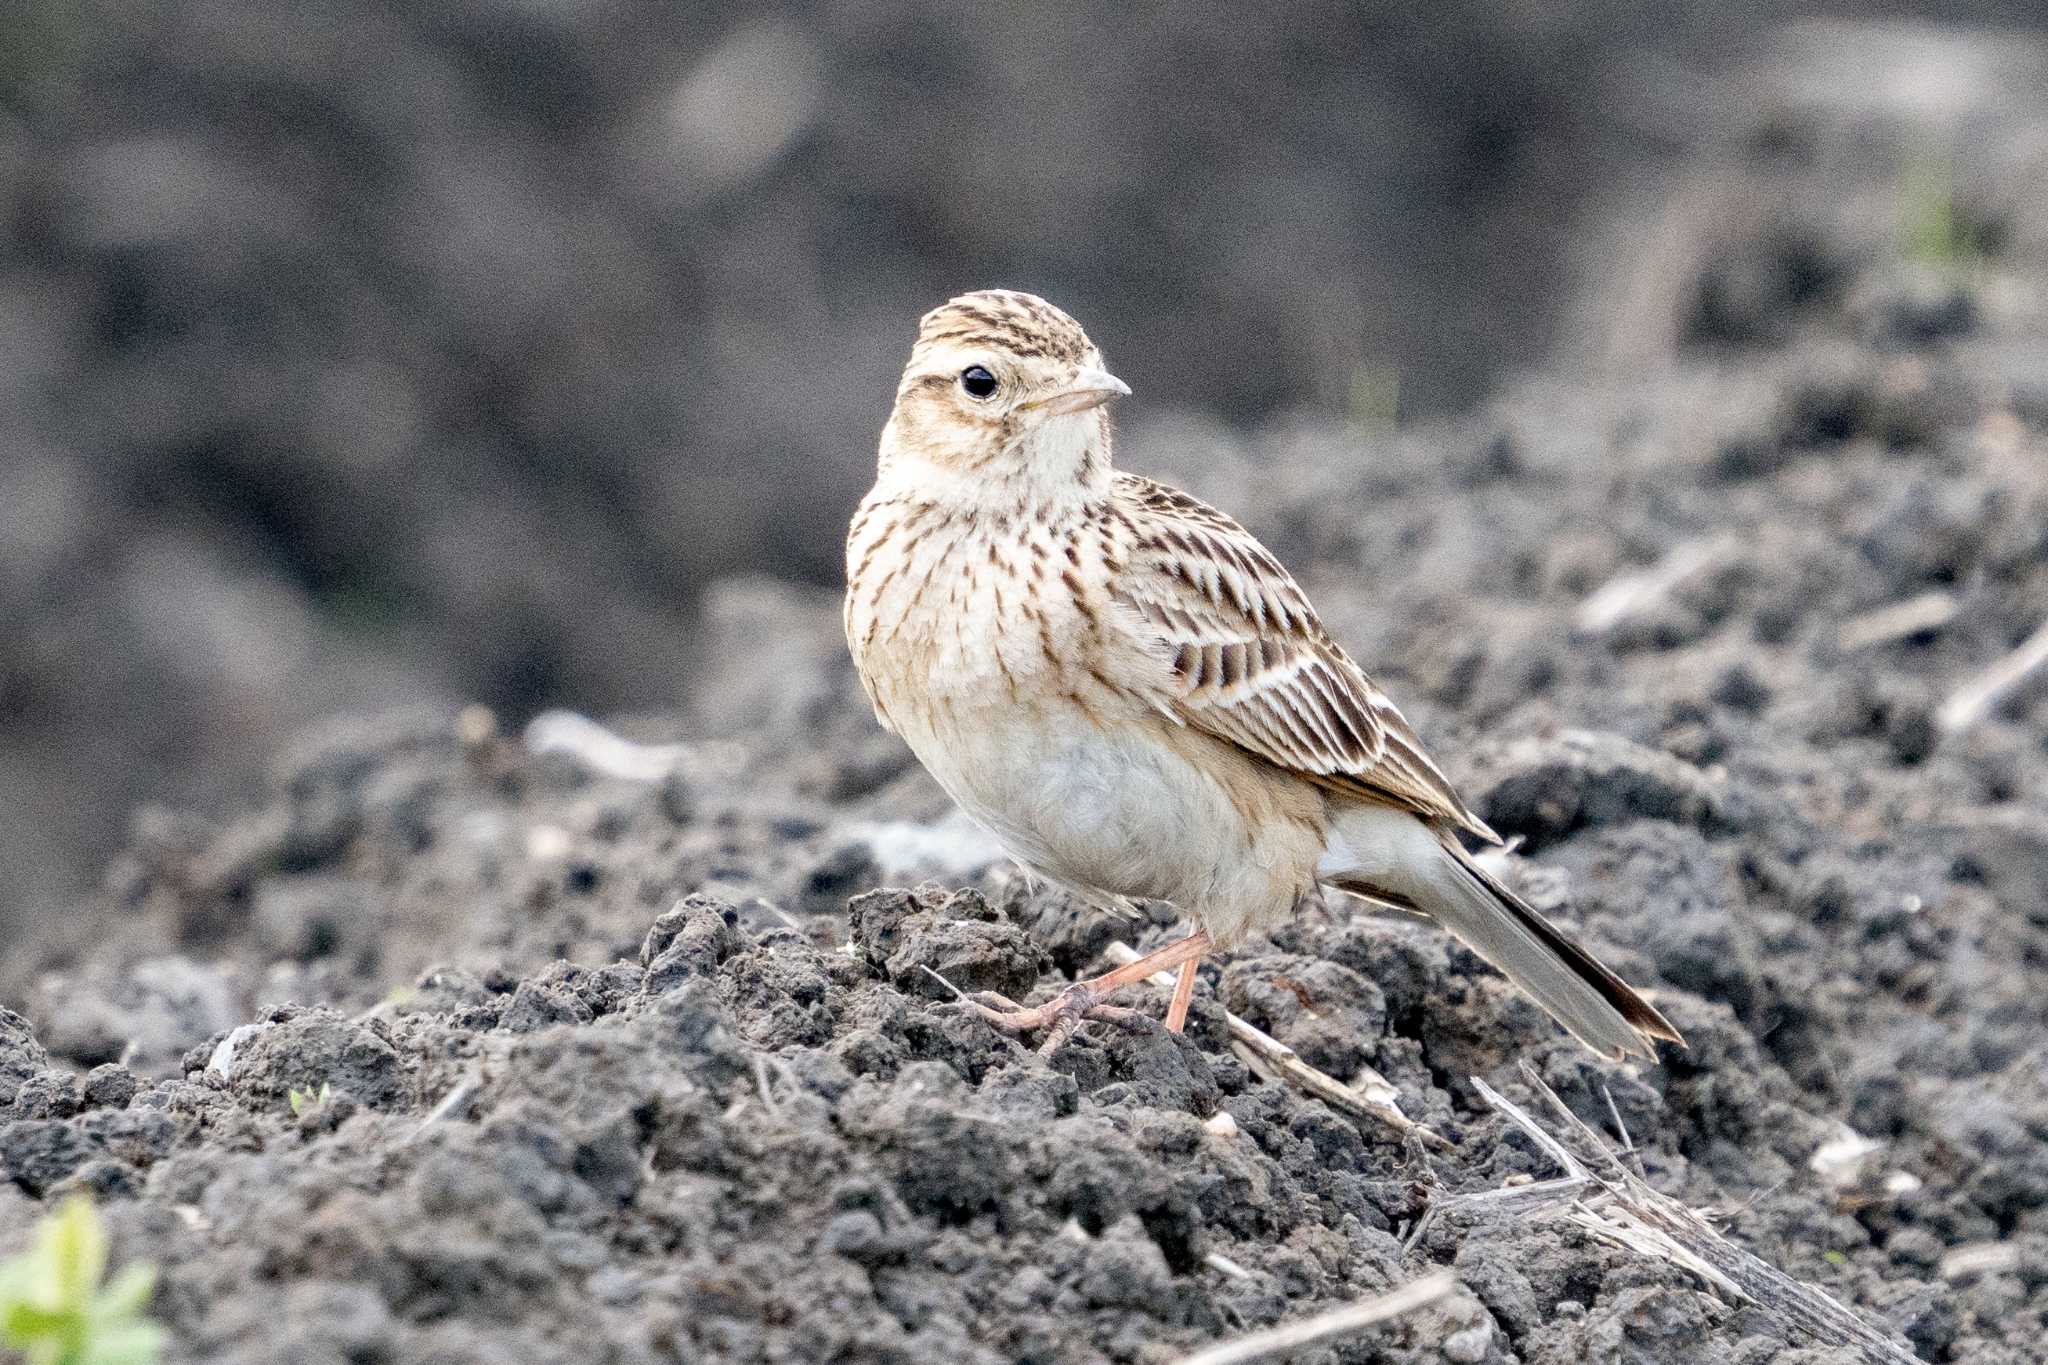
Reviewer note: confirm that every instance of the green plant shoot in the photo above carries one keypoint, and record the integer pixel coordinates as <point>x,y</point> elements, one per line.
<point>302,1100</point>
<point>53,1307</point>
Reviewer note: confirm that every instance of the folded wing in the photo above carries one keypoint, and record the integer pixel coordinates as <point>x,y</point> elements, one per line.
<point>1251,664</point>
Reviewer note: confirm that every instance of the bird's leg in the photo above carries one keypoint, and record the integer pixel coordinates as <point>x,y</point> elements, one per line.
<point>1183,996</point>
<point>1084,999</point>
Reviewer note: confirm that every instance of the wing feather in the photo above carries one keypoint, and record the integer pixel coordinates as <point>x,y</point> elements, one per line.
<point>1248,661</point>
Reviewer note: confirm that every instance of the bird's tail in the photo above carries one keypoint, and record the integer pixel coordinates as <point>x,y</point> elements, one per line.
<point>1390,855</point>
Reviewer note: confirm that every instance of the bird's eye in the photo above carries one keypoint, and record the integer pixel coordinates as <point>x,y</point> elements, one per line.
<point>978,382</point>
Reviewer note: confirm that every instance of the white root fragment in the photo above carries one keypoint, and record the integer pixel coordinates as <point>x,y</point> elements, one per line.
<point>1216,1260</point>
<point>602,750</point>
<point>1277,1342</point>
<point>458,1096</point>
<point>1374,1098</point>
<point>1980,1258</point>
<point>766,1086</point>
<point>222,1060</point>
<point>1897,621</point>
<point>1611,1202</point>
<point>1844,1159</point>
<point>789,921</point>
<point>1976,698</point>
<point>1623,599</point>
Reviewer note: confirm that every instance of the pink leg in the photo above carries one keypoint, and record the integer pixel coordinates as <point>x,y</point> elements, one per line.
<point>1187,950</point>
<point>1183,996</point>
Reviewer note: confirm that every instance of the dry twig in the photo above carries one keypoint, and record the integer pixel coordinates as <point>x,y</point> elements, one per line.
<point>1613,1203</point>
<point>1378,1100</point>
<point>1628,1144</point>
<point>1277,1342</point>
<point>1637,594</point>
<point>458,1096</point>
<point>1975,699</point>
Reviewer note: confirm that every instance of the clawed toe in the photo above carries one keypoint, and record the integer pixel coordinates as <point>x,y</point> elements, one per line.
<point>1062,1014</point>
<point>1007,1014</point>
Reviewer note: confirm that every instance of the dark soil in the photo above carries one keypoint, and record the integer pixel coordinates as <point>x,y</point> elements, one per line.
<point>454,1051</point>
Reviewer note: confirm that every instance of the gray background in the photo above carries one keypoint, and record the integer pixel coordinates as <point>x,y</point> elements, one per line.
<point>361,353</point>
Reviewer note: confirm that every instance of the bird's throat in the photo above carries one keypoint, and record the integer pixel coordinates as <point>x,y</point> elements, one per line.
<point>1056,465</point>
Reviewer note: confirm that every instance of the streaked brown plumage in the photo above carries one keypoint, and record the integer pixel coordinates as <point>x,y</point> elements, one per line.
<point>1132,693</point>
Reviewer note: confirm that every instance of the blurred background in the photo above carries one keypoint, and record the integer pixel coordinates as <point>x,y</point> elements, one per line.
<point>373,351</point>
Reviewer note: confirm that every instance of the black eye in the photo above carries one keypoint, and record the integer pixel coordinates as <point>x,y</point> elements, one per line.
<point>978,382</point>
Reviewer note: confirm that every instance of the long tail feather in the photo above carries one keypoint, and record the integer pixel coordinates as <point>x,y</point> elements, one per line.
<point>1392,856</point>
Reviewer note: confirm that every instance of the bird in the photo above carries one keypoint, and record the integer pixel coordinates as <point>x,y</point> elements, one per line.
<point>1134,696</point>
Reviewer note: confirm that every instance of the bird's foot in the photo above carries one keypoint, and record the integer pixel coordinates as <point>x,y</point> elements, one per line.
<point>1060,1016</point>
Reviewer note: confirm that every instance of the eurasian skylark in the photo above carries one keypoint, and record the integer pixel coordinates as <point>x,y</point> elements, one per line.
<point>1132,694</point>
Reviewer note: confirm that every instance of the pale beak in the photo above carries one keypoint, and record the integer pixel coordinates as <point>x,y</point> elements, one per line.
<point>1090,388</point>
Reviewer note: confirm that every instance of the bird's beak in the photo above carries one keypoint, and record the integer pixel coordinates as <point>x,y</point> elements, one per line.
<point>1090,388</point>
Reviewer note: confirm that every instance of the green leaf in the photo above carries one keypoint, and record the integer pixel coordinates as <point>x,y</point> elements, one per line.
<point>52,1308</point>
<point>78,1251</point>
<point>25,1324</point>
<point>127,1294</point>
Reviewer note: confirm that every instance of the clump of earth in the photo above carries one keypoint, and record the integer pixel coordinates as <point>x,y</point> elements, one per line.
<point>632,1046</point>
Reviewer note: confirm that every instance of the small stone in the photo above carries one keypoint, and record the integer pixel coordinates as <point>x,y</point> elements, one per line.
<point>47,1095</point>
<point>1741,689</point>
<point>1124,1268</point>
<point>110,1086</point>
<point>1916,1247</point>
<point>21,1056</point>
<point>678,800</point>
<point>38,1153</point>
<point>316,1047</point>
<point>537,1005</point>
<point>690,940</point>
<point>876,920</point>
<point>1470,1346</point>
<point>909,935</point>
<point>856,1235</point>
<point>1545,789</point>
<point>103,1179</point>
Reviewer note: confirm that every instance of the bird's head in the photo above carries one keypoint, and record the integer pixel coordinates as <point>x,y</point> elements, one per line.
<point>1002,388</point>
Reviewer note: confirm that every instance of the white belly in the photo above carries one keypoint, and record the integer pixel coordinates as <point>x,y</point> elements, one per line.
<point>1118,814</point>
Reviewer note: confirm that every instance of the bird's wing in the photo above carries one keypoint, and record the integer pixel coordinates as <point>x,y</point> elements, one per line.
<point>1249,662</point>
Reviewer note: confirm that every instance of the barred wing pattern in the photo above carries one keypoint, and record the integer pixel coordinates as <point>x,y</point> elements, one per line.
<point>1253,665</point>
